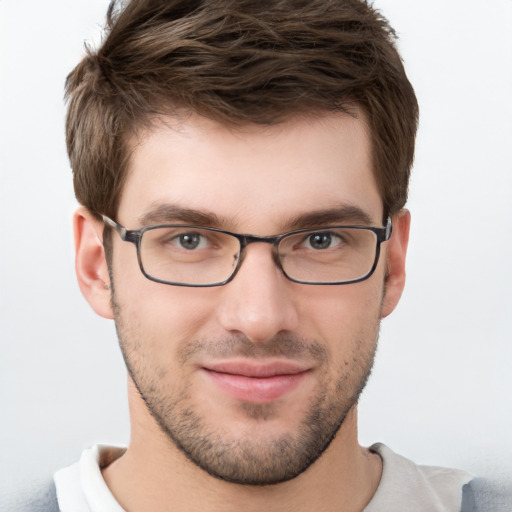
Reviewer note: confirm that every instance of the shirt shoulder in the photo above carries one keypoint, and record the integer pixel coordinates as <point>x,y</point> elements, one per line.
<point>406,486</point>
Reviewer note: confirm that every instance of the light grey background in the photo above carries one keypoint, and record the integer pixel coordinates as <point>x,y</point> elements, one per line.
<point>441,392</point>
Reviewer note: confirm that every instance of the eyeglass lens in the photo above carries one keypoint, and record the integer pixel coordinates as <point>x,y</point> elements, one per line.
<point>199,256</point>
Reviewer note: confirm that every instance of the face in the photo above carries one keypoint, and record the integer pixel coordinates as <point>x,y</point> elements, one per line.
<point>253,379</point>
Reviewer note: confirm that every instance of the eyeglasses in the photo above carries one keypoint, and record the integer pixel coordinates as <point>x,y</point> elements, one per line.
<point>184,255</point>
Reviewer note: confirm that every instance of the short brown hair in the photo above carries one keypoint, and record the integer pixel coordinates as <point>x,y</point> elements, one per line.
<point>237,62</point>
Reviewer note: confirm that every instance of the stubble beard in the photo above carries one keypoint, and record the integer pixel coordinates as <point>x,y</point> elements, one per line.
<point>244,459</point>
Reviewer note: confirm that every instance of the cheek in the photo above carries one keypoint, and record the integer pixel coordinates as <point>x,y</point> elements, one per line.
<point>343,304</point>
<point>161,315</point>
<point>343,317</point>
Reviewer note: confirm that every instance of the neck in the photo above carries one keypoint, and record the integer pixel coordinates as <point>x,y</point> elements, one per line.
<point>155,475</point>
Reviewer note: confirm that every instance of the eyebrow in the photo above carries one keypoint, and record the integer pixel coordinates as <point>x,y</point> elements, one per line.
<point>172,213</point>
<point>344,214</point>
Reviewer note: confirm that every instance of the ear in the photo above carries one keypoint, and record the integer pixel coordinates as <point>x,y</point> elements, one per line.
<point>90,262</point>
<point>396,253</point>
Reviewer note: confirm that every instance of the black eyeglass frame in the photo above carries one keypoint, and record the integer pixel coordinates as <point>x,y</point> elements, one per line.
<point>134,236</point>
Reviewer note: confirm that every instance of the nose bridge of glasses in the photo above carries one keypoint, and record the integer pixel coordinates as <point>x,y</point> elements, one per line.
<point>246,240</point>
<point>251,239</point>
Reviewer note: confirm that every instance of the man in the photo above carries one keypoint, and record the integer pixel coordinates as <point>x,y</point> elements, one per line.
<point>243,169</point>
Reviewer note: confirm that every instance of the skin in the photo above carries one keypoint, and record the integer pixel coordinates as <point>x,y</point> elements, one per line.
<point>259,180</point>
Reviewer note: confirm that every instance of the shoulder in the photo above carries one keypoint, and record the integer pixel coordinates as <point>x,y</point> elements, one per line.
<point>482,495</point>
<point>37,497</point>
<point>407,486</point>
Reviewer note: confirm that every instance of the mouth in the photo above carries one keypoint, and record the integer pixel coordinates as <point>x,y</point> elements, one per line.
<point>256,382</point>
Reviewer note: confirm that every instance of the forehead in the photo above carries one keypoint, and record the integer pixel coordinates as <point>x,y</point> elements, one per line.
<point>253,177</point>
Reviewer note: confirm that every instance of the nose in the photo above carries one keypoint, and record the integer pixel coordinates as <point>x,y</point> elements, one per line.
<point>259,301</point>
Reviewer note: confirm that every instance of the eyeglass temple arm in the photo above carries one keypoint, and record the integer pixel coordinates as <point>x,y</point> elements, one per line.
<point>114,225</point>
<point>389,228</point>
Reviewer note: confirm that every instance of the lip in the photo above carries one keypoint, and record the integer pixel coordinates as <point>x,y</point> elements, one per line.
<point>256,382</point>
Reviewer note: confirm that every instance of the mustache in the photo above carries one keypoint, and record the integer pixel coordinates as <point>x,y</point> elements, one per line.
<point>238,345</point>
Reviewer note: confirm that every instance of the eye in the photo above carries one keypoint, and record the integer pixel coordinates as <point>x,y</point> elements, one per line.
<point>322,240</point>
<point>190,241</point>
